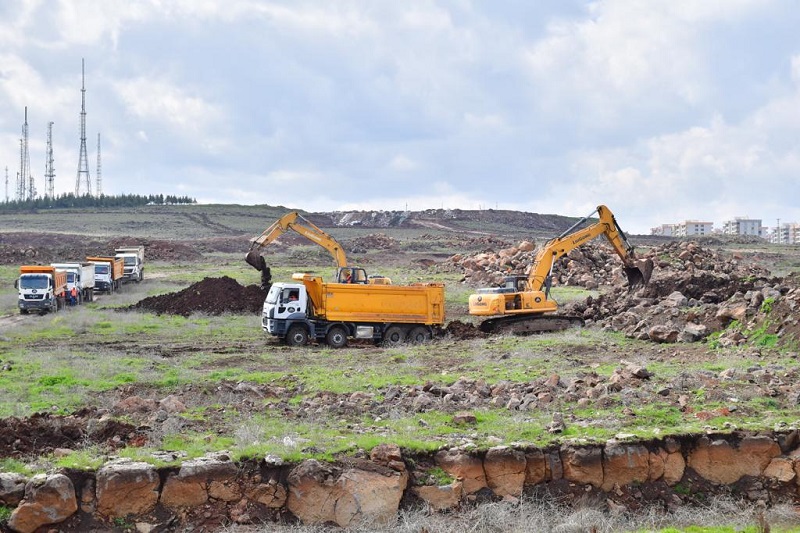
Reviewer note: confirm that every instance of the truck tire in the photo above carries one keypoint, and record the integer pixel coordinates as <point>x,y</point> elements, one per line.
<point>297,336</point>
<point>394,336</point>
<point>336,337</point>
<point>419,335</point>
<point>23,311</point>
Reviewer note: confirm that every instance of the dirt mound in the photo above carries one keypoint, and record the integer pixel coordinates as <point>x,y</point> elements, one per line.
<point>460,330</point>
<point>43,433</point>
<point>213,296</point>
<point>155,250</point>
<point>45,248</point>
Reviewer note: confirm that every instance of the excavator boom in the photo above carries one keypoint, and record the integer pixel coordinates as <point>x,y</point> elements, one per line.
<point>522,300</point>
<point>294,221</point>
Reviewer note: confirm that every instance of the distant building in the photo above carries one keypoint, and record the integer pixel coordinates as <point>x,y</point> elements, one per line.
<point>665,230</point>
<point>788,233</point>
<point>691,228</point>
<point>743,226</point>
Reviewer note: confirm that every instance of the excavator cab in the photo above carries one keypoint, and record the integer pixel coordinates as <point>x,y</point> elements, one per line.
<point>352,275</point>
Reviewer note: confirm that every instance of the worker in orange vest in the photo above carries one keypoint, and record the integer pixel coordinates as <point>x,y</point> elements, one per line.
<point>73,296</point>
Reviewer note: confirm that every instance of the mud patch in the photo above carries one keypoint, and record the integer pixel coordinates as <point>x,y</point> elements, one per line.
<point>212,296</point>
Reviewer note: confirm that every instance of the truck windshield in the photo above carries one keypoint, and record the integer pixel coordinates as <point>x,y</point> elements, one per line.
<point>34,282</point>
<point>129,260</point>
<point>272,295</point>
<point>101,269</point>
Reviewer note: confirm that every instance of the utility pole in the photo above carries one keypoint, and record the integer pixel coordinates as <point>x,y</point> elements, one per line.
<point>778,231</point>
<point>49,170</point>
<point>83,163</point>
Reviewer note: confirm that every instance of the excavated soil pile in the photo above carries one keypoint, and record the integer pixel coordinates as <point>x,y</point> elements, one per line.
<point>45,248</point>
<point>213,296</point>
<point>43,433</point>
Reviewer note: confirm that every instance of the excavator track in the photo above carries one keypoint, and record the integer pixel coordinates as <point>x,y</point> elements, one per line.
<point>527,324</point>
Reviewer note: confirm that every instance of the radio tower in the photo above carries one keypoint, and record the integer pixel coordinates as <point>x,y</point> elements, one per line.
<point>83,163</point>
<point>49,170</point>
<point>25,187</point>
<point>98,188</point>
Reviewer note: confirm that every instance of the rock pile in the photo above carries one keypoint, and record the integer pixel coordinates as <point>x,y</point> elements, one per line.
<point>694,291</point>
<point>590,267</point>
<point>213,296</point>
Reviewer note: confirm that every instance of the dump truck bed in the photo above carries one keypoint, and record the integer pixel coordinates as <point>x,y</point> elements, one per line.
<point>421,303</point>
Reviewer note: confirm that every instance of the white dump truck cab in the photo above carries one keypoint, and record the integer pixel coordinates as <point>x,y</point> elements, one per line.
<point>285,304</point>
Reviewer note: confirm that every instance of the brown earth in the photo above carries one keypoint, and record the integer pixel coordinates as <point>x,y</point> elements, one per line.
<point>710,281</point>
<point>212,296</point>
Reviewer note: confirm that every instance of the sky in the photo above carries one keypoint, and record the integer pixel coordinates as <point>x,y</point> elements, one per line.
<point>665,110</point>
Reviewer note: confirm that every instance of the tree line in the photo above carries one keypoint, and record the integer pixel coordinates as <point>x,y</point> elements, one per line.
<point>70,200</point>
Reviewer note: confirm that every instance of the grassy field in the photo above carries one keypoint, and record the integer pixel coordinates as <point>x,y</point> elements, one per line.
<point>246,393</point>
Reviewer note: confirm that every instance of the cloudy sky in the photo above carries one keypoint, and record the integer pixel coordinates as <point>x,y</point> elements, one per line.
<point>664,110</point>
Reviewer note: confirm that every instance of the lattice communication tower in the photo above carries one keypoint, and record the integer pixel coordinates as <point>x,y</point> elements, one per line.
<point>49,169</point>
<point>83,162</point>
<point>98,190</point>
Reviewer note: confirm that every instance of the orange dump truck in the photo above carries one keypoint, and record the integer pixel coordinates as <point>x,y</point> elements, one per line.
<point>108,272</point>
<point>41,288</point>
<point>311,309</point>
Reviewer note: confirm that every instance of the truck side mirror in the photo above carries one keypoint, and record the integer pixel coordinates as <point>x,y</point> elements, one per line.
<point>16,284</point>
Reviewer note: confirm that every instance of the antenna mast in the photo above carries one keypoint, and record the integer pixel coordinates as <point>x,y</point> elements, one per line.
<point>98,189</point>
<point>26,190</point>
<point>49,170</point>
<point>83,163</point>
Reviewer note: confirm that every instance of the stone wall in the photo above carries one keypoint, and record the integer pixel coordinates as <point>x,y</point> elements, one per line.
<point>213,491</point>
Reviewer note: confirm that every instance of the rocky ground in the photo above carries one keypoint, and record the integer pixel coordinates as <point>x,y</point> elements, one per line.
<point>699,295</point>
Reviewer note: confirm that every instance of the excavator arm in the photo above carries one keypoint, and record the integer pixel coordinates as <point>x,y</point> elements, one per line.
<point>523,303</point>
<point>293,221</point>
<point>296,222</point>
<point>638,272</point>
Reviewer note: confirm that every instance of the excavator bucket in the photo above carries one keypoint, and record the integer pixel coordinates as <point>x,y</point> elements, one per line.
<point>255,259</point>
<point>639,274</point>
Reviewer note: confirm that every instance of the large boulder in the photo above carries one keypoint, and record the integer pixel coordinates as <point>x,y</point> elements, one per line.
<point>49,499</point>
<point>126,488</point>
<point>720,462</point>
<point>362,493</point>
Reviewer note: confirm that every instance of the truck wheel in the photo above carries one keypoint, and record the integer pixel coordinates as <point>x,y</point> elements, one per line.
<point>394,336</point>
<point>336,337</point>
<point>419,335</point>
<point>23,311</point>
<point>297,336</point>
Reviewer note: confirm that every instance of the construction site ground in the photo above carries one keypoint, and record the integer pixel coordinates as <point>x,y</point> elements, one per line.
<point>179,364</point>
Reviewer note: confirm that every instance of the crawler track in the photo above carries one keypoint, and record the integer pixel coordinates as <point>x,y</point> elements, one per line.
<point>527,324</point>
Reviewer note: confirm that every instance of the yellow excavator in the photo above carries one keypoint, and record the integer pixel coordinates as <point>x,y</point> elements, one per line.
<point>296,222</point>
<point>523,304</point>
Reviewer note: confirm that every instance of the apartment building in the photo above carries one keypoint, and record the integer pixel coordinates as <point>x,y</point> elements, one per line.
<point>743,226</point>
<point>664,230</point>
<point>788,233</point>
<point>690,228</point>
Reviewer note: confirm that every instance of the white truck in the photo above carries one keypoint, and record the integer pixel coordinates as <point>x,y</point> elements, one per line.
<point>42,288</point>
<point>80,276</point>
<point>133,256</point>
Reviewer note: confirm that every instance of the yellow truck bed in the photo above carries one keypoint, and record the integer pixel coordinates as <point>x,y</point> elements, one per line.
<point>421,303</point>
<point>117,265</point>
